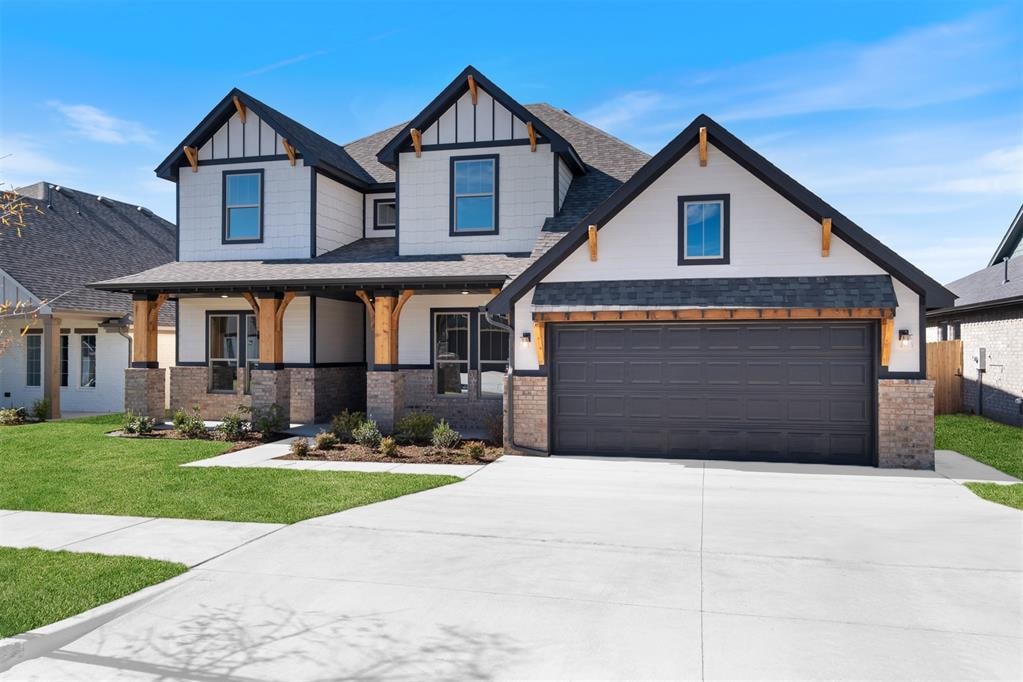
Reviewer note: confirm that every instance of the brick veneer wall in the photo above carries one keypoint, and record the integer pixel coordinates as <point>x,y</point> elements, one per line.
<point>1000,332</point>
<point>530,423</point>
<point>905,423</point>
<point>188,389</point>
<point>271,387</point>
<point>385,398</point>
<point>337,389</point>
<point>144,391</point>
<point>467,412</point>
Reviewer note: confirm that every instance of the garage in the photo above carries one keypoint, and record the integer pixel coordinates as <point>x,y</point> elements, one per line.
<point>760,391</point>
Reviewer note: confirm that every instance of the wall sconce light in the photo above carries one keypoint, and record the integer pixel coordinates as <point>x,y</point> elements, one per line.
<point>525,339</point>
<point>905,338</point>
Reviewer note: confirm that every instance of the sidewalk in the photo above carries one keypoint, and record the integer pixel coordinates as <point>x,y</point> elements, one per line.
<point>186,541</point>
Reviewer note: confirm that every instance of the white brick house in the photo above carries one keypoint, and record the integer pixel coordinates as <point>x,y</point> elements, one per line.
<point>489,258</point>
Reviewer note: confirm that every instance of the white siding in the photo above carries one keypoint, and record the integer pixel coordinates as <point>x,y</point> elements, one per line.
<point>369,231</point>
<point>285,213</point>
<point>502,122</point>
<point>414,327</point>
<point>192,326</point>
<point>338,214</point>
<point>770,237</point>
<point>466,118</point>
<point>564,180</point>
<point>236,140</point>
<point>526,185</point>
<point>484,122</point>
<point>296,330</point>
<point>339,331</point>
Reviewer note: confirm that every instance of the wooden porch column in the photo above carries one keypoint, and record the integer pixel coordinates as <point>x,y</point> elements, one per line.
<point>385,314</point>
<point>145,325</point>
<point>51,364</point>
<point>270,308</point>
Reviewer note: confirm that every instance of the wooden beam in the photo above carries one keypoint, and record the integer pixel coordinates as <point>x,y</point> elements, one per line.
<point>362,296</point>
<point>825,237</point>
<point>887,332</point>
<point>395,320</point>
<point>240,107</point>
<point>252,301</point>
<point>532,136</point>
<point>495,290</point>
<point>289,149</point>
<point>384,346</point>
<point>192,154</point>
<point>703,146</point>
<point>714,314</point>
<point>472,89</point>
<point>145,327</point>
<point>538,340</point>
<point>417,142</point>
<point>591,234</point>
<point>279,315</point>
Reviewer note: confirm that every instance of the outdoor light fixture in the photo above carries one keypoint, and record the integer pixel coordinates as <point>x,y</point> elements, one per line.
<point>905,338</point>
<point>465,292</point>
<point>525,338</point>
<point>223,296</point>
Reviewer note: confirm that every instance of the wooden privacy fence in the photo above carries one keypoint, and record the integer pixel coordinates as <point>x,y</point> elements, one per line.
<point>945,367</point>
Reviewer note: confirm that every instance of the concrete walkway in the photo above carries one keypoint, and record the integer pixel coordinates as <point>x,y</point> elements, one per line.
<point>601,569</point>
<point>183,540</point>
<point>961,469</point>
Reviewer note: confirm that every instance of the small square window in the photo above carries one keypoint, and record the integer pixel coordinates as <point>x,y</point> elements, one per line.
<point>385,214</point>
<point>703,230</point>
<point>243,212</point>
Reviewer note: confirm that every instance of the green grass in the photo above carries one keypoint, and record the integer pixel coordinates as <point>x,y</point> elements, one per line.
<point>39,586</point>
<point>997,445</point>
<point>71,466</point>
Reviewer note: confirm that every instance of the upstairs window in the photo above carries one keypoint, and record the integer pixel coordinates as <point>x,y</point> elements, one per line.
<point>703,230</point>
<point>385,214</point>
<point>474,195</point>
<point>243,206</point>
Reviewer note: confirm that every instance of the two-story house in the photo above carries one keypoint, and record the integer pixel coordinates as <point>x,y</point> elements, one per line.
<point>489,258</point>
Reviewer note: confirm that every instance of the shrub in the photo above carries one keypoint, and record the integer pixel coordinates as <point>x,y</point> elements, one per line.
<point>445,437</point>
<point>415,428</point>
<point>268,421</point>
<point>367,434</point>
<point>475,449</point>
<point>343,426</point>
<point>299,447</point>
<point>41,409</point>
<point>138,424</point>
<point>495,430</point>
<point>325,440</point>
<point>190,425</point>
<point>12,416</point>
<point>388,446</point>
<point>235,425</point>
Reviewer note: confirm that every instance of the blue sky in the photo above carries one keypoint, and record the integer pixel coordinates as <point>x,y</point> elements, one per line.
<point>907,116</point>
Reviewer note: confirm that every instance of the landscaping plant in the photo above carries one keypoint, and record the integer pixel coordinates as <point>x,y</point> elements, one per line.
<point>189,425</point>
<point>325,440</point>
<point>367,434</point>
<point>138,424</point>
<point>445,437</point>
<point>415,428</point>
<point>12,416</point>
<point>235,426</point>
<point>41,409</point>
<point>475,449</point>
<point>343,426</point>
<point>269,421</point>
<point>388,446</point>
<point>299,447</point>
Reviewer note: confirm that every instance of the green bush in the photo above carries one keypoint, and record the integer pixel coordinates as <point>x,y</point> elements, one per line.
<point>415,428</point>
<point>367,434</point>
<point>300,447</point>
<point>343,426</point>
<point>325,440</point>
<point>475,449</point>
<point>41,409</point>
<point>189,425</point>
<point>269,421</point>
<point>138,424</point>
<point>12,416</point>
<point>235,426</point>
<point>445,437</point>
<point>388,446</point>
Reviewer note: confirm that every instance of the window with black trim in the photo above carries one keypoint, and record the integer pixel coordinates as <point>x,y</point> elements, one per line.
<point>87,376</point>
<point>33,359</point>
<point>493,357</point>
<point>474,182</point>
<point>243,206</point>
<point>451,352</point>
<point>233,343</point>
<point>385,214</point>
<point>703,230</point>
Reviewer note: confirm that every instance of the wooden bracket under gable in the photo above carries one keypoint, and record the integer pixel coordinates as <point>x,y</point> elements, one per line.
<point>192,154</point>
<point>532,135</point>
<point>591,234</point>
<point>240,107</point>
<point>703,145</point>
<point>472,89</point>
<point>289,149</point>
<point>825,237</point>
<point>417,142</point>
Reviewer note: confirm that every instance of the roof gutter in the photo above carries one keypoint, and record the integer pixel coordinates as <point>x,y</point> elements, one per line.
<point>982,305</point>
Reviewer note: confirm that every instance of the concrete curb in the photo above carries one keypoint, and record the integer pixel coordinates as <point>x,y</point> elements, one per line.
<point>43,640</point>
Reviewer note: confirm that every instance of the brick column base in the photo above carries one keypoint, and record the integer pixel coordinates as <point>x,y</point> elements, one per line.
<point>271,387</point>
<point>385,398</point>
<point>530,423</point>
<point>905,423</point>
<point>145,391</point>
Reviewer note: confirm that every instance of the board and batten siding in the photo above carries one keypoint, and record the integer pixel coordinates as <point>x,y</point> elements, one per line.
<point>770,237</point>
<point>487,121</point>
<point>338,214</point>
<point>525,188</point>
<point>192,326</point>
<point>235,139</point>
<point>286,213</point>
<point>340,327</point>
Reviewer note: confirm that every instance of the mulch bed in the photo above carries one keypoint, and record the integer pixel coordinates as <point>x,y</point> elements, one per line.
<point>251,441</point>
<point>407,454</point>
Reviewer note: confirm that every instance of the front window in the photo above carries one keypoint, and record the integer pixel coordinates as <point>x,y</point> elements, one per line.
<point>229,351</point>
<point>704,230</point>
<point>385,214</point>
<point>88,361</point>
<point>65,365</point>
<point>474,195</point>
<point>33,359</point>
<point>493,357</point>
<point>243,213</point>
<point>451,352</point>
<point>251,349</point>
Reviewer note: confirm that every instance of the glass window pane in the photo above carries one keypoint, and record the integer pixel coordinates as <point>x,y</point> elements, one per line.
<point>703,230</point>
<point>385,214</point>
<point>492,378</point>
<point>88,376</point>
<point>65,365</point>
<point>451,337</point>
<point>251,339</point>
<point>452,378</point>
<point>474,177</point>
<point>223,375</point>
<point>242,190</point>
<point>493,342</point>
<point>224,337</point>
<point>474,213</point>
<point>33,359</point>
<point>243,223</point>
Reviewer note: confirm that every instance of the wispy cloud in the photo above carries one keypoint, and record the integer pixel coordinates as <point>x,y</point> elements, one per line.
<point>284,62</point>
<point>23,161</point>
<point>95,124</point>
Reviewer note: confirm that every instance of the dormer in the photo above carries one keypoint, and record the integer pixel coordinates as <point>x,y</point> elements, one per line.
<point>477,172</point>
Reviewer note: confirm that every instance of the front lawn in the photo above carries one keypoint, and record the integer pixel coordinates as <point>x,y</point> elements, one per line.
<point>997,445</point>
<point>38,586</point>
<point>71,466</point>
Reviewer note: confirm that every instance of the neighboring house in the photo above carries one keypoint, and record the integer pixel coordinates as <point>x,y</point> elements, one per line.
<point>988,318</point>
<point>76,349</point>
<point>712,310</point>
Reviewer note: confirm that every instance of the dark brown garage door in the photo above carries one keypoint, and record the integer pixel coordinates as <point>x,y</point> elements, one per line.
<point>787,392</point>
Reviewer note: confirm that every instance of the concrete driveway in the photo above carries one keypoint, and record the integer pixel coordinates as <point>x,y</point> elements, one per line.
<point>575,568</point>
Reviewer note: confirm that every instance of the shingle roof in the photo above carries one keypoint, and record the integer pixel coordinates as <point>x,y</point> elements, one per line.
<point>857,291</point>
<point>77,239</point>
<point>1012,242</point>
<point>989,284</point>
